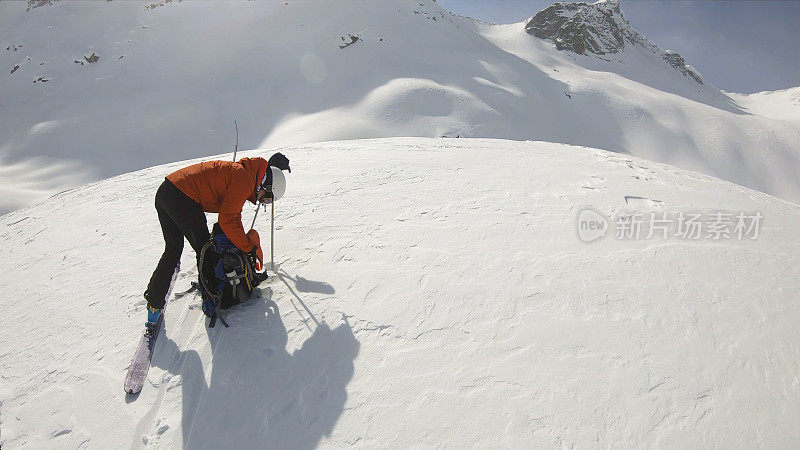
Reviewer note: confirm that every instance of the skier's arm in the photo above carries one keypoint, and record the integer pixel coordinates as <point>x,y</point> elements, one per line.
<point>230,212</point>
<point>231,225</point>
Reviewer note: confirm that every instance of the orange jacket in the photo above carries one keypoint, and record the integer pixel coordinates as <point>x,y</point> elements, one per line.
<point>223,187</point>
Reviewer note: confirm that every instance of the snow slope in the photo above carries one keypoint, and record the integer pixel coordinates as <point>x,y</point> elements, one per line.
<point>643,107</point>
<point>172,76</point>
<point>433,292</point>
<point>782,105</point>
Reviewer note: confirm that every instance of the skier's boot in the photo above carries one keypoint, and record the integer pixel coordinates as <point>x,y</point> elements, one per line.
<point>153,314</point>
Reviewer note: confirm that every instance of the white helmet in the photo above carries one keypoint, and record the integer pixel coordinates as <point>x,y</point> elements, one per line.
<point>278,183</point>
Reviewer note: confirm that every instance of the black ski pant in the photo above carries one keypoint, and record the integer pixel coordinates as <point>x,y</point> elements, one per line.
<point>180,217</point>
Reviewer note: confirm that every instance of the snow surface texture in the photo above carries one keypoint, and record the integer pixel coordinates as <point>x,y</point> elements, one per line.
<point>95,89</point>
<point>433,292</point>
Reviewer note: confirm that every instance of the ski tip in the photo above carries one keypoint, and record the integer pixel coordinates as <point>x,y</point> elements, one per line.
<point>132,391</point>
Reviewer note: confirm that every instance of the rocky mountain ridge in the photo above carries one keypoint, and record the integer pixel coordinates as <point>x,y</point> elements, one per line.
<point>598,28</point>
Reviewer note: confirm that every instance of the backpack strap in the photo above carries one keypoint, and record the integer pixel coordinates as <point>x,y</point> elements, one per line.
<point>211,302</point>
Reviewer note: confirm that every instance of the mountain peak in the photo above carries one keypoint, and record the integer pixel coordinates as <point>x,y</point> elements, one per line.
<point>598,28</point>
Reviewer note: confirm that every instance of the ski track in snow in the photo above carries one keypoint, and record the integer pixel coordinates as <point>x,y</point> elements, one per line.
<point>432,292</point>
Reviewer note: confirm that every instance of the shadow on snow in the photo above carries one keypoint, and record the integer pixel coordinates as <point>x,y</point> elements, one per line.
<point>260,395</point>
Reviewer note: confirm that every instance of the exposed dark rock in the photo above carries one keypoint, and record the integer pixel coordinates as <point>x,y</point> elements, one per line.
<point>596,28</point>
<point>159,4</point>
<point>39,3</point>
<point>93,58</point>
<point>676,60</point>
<point>353,40</point>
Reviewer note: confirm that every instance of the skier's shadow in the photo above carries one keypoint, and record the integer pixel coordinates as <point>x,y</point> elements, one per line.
<point>260,395</point>
<point>306,285</point>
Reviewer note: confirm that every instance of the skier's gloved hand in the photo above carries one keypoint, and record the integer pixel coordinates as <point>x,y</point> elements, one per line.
<point>279,161</point>
<point>257,256</point>
<point>255,252</point>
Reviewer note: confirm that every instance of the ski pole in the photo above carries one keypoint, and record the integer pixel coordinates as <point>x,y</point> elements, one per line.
<point>272,238</point>
<point>236,148</point>
<point>254,218</point>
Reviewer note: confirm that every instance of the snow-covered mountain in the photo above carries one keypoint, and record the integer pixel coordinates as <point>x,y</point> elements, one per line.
<point>93,89</point>
<point>433,292</point>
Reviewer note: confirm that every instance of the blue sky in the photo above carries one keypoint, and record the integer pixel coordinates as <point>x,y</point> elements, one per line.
<point>739,46</point>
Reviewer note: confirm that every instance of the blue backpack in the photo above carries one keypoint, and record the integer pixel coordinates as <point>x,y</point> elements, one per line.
<point>227,275</point>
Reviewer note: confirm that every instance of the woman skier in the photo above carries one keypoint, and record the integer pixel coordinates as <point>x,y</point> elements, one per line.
<point>216,187</point>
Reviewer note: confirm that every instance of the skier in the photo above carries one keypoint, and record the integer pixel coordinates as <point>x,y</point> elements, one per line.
<point>217,187</point>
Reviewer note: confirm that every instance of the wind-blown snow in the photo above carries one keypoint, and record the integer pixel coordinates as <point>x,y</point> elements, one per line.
<point>433,292</point>
<point>170,79</point>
